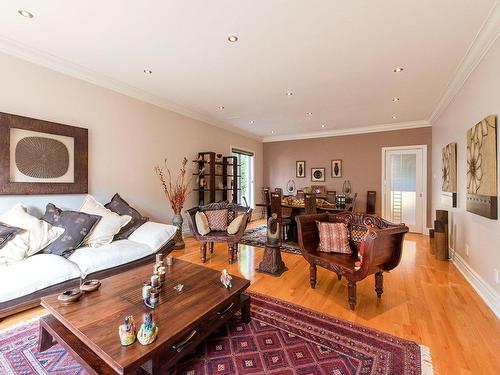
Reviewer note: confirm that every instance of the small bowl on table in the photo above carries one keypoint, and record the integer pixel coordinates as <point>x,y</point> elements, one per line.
<point>90,286</point>
<point>70,296</point>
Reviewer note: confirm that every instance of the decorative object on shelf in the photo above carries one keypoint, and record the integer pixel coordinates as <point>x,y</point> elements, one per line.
<point>42,157</point>
<point>176,193</point>
<point>346,188</point>
<point>449,174</point>
<point>272,262</point>
<point>90,286</point>
<point>441,235</point>
<point>148,331</point>
<point>318,174</point>
<point>340,201</point>
<point>290,187</point>
<point>127,331</point>
<point>70,296</point>
<point>300,169</point>
<point>482,188</point>
<point>336,168</point>
<point>225,279</point>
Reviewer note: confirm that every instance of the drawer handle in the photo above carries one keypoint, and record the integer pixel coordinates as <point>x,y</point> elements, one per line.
<point>221,313</point>
<point>180,346</point>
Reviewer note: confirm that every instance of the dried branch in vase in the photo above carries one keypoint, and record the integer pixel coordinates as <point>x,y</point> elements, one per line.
<point>176,192</point>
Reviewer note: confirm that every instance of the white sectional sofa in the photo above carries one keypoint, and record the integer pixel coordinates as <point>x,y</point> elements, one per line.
<point>25,282</point>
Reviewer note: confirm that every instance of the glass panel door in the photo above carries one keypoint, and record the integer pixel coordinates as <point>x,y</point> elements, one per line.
<point>245,194</point>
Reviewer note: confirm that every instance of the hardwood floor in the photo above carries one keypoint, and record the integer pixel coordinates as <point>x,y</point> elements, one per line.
<point>424,300</point>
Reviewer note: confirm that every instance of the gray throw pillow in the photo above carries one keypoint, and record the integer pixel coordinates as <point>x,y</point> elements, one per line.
<point>7,233</point>
<point>77,225</point>
<point>121,207</point>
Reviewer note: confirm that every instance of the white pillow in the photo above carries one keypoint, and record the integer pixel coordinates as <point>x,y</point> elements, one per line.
<point>201,221</point>
<point>41,233</point>
<point>109,225</point>
<point>16,249</point>
<point>235,225</point>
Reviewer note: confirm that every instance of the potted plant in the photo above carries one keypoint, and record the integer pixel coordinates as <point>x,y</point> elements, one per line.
<point>176,193</point>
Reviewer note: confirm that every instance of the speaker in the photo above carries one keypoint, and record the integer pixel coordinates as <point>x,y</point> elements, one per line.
<point>371,197</point>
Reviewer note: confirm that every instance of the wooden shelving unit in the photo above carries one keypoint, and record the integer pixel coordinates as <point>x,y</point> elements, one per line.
<point>217,176</point>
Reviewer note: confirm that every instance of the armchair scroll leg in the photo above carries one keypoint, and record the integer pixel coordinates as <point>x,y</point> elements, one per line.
<point>312,275</point>
<point>379,284</point>
<point>230,253</point>
<point>211,247</point>
<point>351,287</point>
<point>203,250</point>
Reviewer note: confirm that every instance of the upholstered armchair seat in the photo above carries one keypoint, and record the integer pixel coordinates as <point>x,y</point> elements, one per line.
<point>220,236</point>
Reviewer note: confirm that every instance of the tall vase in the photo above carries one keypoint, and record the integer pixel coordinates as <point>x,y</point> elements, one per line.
<point>179,241</point>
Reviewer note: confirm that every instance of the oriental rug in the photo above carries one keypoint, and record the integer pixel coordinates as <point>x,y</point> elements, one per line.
<point>257,237</point>
<point>282,338</point>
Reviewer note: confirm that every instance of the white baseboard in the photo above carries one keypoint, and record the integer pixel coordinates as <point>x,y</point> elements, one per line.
<point>486,292</point>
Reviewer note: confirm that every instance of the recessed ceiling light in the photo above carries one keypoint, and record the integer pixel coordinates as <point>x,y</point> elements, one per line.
<point>398,69</point>
<point>252,121</point>
<point>394,117</point>
<point>289,93</point>
<point>323,126</point>
<point>148,71</point>
<point>309,113</point>
<point>221,107</point>
<point>395,99</point>
<point>25,13</point>
<point>232,38</point>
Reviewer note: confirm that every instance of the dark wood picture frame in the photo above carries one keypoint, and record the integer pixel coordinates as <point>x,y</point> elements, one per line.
<point>320,179</point>
<point>80,136</point>
<point>298,163</point>
<point>339,163</point>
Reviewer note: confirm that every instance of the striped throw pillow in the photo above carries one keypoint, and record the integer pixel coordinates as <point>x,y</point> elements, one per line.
<point>333,238</point>
<point>217,219</point>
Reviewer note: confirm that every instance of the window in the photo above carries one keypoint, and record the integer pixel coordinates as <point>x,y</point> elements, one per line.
<point>246,189</point>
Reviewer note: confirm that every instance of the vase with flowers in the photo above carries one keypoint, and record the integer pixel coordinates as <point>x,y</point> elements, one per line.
<point>176,193</point>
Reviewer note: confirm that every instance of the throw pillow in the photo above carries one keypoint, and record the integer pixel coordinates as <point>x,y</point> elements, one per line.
<point>76,226</point>
<point>7,233</point>
<point>217,219</point>
<point>41,233</point>
<point>201,222</point>
<point>16,249</point>
<point>109,225</point>
<point>234,226</point>
<point>333,237</point>
<point>121,207</point>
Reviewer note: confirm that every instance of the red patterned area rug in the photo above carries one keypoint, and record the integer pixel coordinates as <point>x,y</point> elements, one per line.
<point>281,339</point>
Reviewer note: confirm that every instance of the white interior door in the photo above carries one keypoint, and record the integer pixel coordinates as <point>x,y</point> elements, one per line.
<point>404,185</point>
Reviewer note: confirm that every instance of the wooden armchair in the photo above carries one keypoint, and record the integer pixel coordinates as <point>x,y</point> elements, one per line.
<point>222,237</point>
<point>382,253</point>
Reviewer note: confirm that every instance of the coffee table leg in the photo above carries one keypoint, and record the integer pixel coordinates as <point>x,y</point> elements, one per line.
<point>245,308</point>
<point>45,339</point>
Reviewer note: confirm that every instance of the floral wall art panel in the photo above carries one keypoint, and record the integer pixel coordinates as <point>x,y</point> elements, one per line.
<point>449,174</point>
<point>482,188</point>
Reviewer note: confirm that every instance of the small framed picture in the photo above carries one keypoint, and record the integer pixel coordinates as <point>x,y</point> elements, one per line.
<point>318,174</point>
<point>336,168</point>
<point>300,169</point>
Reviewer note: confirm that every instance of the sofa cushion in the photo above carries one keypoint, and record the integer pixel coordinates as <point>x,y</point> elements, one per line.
<point>8,232</point>
<point>77,225</point>
<point>333,238</point>
<point>16,249</point>
<point>109,225</point>
<point>35,273</point>
<point>202,225</point>
<point>217,219</point>
<point>121,207</point>
<point>155,235</point>
<point>90,259</point>
<point>41,233</point>
<point>234,226</point>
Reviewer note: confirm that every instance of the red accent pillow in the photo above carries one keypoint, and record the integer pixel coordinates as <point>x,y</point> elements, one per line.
<point>217,219</point>
<point>333,238</point>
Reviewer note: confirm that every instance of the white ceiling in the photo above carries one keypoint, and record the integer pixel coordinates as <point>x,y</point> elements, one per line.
<point>337,57</point>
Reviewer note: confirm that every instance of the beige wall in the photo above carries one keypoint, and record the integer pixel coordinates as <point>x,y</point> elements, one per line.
<point>126,136</point>
<point>479,97</point>
<point>361,156</point>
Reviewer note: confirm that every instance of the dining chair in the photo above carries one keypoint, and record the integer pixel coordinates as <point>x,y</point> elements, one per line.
<point>266,197</point>
<point>276,208</point>
<point>353,202</point>
<point>310,204</point>
<point>300,194</point>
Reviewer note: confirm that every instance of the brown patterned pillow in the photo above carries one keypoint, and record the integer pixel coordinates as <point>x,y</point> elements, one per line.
<point>7,233</point>
<point>333,238</point>
<point>357,233</point>
<point>217,219</point>
<point>121,207</point>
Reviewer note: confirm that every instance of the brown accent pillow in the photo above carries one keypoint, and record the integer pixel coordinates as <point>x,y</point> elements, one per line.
<point>333,238</point>
<point>217,219</point>
<point>7,233</point>
<point>76,224</point>
<point>121,207</point>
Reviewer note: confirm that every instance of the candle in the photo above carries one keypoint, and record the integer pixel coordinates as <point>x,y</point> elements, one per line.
<point>170,260</point>
<point>155,280</point>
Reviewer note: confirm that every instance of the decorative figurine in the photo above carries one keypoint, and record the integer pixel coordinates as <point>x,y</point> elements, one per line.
<point>272,262</point>
<point>127,331</point>
<point>225,279</point>
<point>148,331</point>
<point>146,288</point>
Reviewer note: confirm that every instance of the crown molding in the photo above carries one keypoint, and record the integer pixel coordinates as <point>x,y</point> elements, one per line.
<point>35,56</point>
<point>353,131</point>
<point>484,39</point>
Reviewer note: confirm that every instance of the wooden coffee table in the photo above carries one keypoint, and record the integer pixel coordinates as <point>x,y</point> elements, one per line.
<point>88,329</point>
